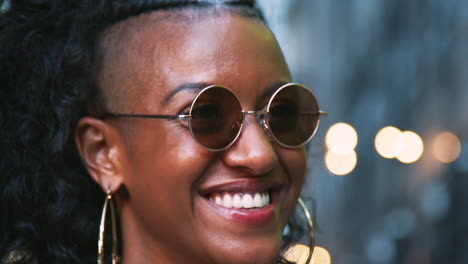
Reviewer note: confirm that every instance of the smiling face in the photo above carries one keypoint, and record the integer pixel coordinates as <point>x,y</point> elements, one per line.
<point>177,200</point>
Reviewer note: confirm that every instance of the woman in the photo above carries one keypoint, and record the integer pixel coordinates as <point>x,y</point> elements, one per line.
<point>181,112</point>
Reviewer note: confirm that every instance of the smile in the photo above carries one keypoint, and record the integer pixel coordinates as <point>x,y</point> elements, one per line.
<point>251,202</point>
<point>241,200</point>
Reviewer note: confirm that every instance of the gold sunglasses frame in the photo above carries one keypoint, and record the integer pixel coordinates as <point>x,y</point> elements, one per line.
<point>261,116</point>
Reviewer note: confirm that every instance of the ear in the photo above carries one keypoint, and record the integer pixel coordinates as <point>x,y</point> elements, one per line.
<point>101,149</point>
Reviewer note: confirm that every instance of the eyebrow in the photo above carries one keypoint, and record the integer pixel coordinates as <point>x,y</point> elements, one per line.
<point>270,90</point>
<point>186,86</point>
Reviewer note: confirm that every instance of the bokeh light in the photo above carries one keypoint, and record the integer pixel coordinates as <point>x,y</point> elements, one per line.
<point>410,147</point>
<point>380,248</point>
<point>341,138</point>
<point>4,6</point>
<point>435,201</point>
<point>341,163</point>
<point>400,222</point>
<point>320,256</point>
<point>407,146</point>
<point>446,147</point>
<point>386,142</point>
<point>299,253</point>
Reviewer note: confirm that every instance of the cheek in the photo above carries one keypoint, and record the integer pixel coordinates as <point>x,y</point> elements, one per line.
<point>164,165</point>
<point>167,152</point>
<point>294,163</point>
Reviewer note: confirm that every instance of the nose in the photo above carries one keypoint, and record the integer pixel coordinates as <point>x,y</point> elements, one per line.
<point>253,150</point>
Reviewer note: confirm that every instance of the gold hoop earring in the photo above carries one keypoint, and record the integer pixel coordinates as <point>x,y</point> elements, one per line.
<point>298,253</point>
<point>102,228</point>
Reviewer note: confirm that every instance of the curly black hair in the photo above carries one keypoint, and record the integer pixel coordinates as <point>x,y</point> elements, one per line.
<point>49,206</point>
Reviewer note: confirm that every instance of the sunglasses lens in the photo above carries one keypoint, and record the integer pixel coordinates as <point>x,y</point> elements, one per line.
<point>294,115</point>
<point>216,118</point>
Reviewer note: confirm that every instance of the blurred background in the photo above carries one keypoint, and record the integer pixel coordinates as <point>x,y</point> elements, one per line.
<point>388,170</point>
<point>388,176</point>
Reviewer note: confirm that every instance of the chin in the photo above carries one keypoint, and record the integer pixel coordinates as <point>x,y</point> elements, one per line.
<point>250,258</point>
<point>258,253</point>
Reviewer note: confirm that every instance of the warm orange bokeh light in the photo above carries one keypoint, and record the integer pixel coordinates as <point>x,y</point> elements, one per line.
<point>386,142</point>
<point>447,147</point>
<point>410,147</point>
<point>341,138</point>
<point>298,254</point>
<point>320,256</point>
<point>341,163</point>
<point>407,146</point>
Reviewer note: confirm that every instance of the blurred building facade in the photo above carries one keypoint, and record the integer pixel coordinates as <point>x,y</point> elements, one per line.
<point>372,64</point>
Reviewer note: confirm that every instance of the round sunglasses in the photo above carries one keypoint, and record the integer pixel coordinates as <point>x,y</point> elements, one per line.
<point>216,118</point>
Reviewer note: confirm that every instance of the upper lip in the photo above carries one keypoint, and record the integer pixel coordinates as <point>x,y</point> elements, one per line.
<point>250,185</point>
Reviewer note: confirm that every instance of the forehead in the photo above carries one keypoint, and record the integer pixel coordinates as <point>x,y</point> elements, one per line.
<point>154,53</point>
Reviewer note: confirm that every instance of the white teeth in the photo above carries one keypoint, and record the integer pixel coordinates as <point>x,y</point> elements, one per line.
<point>241,200</point>
<point>247,201</point>
<point>258,200</point>
<point>218,200</point>
<point>227,201</point>
<point>266,198</point>
<point>237,201</point>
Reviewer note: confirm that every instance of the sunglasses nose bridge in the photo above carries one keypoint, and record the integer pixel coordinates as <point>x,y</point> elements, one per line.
<point>261,118</point>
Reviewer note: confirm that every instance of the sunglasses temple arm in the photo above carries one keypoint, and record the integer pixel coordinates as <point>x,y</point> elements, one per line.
<point>172,117</point>
<point>320,113</point>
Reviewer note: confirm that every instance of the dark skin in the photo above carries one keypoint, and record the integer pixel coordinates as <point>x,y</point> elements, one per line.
<point>155,169</point>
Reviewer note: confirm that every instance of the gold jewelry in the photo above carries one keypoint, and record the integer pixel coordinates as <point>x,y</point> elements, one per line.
<point>298,253</point>
<point>294,254</point>
<point>102,228</point>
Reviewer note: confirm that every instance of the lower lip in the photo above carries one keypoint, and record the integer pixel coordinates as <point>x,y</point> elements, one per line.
<point>254,217</point>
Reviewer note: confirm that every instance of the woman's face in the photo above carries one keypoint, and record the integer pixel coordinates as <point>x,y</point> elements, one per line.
<point>170,183</point>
